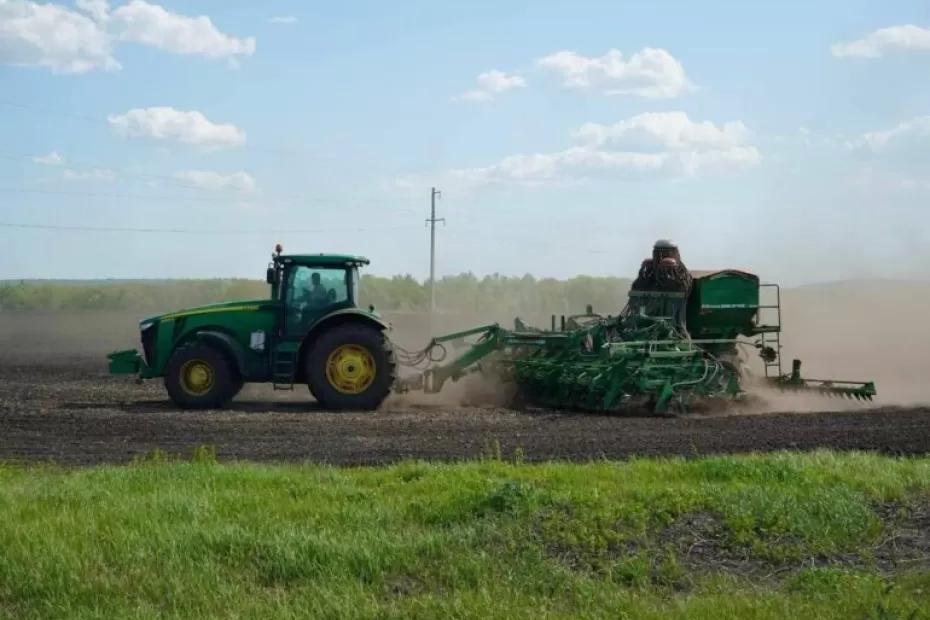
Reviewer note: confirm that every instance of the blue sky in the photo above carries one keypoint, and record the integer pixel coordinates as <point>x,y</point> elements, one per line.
<point>789,138</point>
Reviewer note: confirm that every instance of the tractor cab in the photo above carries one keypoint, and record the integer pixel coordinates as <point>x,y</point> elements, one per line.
<point>312,286</point>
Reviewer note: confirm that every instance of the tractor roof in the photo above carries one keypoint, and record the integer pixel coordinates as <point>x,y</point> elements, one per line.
<point>324,260</point>
<point>699,274</point>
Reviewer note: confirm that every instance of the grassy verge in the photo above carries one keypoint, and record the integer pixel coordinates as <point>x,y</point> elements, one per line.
<point>820,535</point>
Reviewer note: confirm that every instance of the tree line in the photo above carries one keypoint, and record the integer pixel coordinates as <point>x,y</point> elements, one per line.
<point>464,293</point>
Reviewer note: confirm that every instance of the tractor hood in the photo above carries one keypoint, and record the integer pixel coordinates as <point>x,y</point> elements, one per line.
<point>228,307</point>
<point>237,321</point>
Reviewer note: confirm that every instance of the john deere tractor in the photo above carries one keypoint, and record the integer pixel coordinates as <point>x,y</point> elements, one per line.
<point>309,331</point>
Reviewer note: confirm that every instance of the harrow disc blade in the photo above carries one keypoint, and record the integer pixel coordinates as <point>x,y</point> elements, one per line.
<point>828,388</point>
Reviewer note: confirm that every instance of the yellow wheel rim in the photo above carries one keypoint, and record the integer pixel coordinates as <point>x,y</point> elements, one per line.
<point>197,377</point>
<point>350,369</point>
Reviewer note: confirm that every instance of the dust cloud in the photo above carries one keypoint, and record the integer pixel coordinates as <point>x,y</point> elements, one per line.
<point>411,330</point>
<point>857,331</point>
<point>868,330</point>
<point>861,331</point>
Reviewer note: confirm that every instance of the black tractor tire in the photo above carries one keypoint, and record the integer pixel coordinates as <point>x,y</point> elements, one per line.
<point>237,384</point>
<point>359,339</point>
<point>198,376</point>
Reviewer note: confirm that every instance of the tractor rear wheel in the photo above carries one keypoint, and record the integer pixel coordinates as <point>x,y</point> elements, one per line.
<point>200,377</point>
<point>350,366</point>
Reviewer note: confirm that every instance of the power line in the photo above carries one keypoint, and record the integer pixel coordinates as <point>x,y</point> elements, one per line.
<point>54,192</point>
<point>285,198</point>
<point>79,164</point>
<point>289,197</point>
<point>467,237</point>
<point>45,110</point>
<point>191,231</point>
<point>11,156</point>
<point>238,198</point>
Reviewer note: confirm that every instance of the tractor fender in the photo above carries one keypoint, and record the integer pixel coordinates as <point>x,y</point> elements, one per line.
<point>225,343</point>
<point>345,315</point>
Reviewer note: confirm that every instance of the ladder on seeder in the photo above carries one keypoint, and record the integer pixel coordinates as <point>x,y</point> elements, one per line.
<point>770,333</point>
<point>769,330</point>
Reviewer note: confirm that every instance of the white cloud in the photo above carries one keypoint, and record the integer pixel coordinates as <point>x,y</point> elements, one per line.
<point>651,73</point>
<point>495,81</point>
<point>474,96</point>
<point>879,180</point>
<point>665,146</point>
<point>53,37</point>
<point>490,84</point>
<point>806,138</point>
<point>77,41</point>
<point>166,123</point>
<point>99,10</point>
<point>216,181</point>
<point>149,24</point>
<point>663,131</point>
<point>907,38</point>
<point>582,162</point>
<point>572,163</point>
<point>911,133</point>
<point>94,174</point>
<point>283,19</point>
<point>52,159</point>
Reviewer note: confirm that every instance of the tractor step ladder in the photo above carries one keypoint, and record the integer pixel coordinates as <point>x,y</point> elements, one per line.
<point>284,365</point>
<point>770,333</point>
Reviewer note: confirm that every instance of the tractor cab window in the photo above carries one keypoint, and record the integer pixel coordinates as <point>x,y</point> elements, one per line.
<point>311,292</point>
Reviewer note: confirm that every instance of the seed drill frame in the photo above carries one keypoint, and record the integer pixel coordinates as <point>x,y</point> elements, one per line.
<point>667,351</point>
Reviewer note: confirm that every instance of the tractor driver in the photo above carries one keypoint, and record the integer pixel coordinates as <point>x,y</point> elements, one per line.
<point>318,295</point>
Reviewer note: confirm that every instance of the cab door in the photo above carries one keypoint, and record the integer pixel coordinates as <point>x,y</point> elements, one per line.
<point>311,293</point>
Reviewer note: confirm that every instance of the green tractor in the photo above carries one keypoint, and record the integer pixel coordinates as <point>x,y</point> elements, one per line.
<point>310,330</point>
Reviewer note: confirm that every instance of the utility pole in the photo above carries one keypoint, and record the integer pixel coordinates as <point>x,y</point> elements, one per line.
<point>434,193</point>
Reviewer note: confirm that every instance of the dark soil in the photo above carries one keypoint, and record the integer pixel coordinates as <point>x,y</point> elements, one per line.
<point>701,543</point>
<point>70,411</point>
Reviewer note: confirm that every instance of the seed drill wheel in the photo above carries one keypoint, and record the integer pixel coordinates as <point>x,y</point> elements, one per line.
<point>200,377</point>
<point>350,366</point>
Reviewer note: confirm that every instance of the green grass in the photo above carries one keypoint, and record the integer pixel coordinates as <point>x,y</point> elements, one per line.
<point>480,539</point>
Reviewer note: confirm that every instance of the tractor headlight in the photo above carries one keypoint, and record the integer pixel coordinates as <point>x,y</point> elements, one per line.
<point>148,330</point>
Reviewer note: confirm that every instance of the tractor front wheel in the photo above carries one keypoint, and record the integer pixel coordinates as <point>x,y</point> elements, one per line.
<point>350,366</point>
<point>200,377</point>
